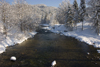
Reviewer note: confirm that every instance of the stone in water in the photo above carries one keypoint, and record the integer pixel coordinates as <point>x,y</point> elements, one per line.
<point>53,63</point>
<point>88,53</point>
<point>13,58</point>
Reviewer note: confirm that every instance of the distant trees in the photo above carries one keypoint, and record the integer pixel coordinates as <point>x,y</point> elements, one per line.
<point>53,19</point>
<point>68,14</point>
<point>47,13</point>
<point>45,20</point>
<point>71,14</point>
<point>22,17</point>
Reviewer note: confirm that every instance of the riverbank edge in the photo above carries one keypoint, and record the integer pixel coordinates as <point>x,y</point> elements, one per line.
<point>11,41</point>
<point>88,35</point>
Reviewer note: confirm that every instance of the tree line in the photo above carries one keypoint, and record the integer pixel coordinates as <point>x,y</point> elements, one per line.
<point>71,13</point>
<point>87,11</point>
<point>23,17</point>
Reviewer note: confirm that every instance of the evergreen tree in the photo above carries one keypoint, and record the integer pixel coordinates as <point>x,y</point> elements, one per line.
<point>82,11</point>
<point>76,13</point>
<point>69,18</point>
<point>94,6</point>
<point>97,23</point>
<point>75,5</point>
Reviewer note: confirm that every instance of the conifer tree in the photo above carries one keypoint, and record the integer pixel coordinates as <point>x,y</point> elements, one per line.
<point>69,18</point>
<point>97,23</point>
<point>75,5</point>
<point>82,11</point>
<point>76,13</point>
<point>94,6</point>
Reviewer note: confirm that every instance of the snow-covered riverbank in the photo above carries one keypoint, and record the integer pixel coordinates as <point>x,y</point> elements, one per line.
<point>88,35</point>
<point>12,40</point>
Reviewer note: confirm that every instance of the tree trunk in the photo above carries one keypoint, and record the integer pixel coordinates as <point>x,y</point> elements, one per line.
<point>21,27</point>
<point>98,31</point>
<point>97,28</point>
<point>76,26</point>
<point>82,25</point>
<point>4,22</point>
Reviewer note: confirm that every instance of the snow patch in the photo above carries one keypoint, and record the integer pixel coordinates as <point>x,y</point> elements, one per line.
<point>10,41</point>
<point>98,51</point>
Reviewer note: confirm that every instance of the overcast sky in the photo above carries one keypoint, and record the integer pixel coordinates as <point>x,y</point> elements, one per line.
<point>54,3</point>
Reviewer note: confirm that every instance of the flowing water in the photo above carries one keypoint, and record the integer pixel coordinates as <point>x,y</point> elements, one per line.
<point>46,47</point>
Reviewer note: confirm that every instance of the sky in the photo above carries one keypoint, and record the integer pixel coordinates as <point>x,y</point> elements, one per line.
<point>54,3</point>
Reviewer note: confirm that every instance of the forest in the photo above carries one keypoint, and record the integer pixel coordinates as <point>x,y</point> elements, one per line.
<point>23,17</point>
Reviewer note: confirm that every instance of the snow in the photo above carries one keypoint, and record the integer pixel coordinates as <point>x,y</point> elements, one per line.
<point>53,63</point>
<point>13,39</point>
<point>88,35</point>
<point>58,28</point>
<point>13,58</point>
<point>98,51</point>
<point>88,53</point>
<point>45,25</point>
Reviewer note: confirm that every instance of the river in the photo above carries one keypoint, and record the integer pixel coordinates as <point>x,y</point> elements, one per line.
<point>45,47</point>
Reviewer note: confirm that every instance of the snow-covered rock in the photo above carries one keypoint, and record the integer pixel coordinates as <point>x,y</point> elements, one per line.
<point>53,63</point>
<point>88,53</point>
<point>13,58</point>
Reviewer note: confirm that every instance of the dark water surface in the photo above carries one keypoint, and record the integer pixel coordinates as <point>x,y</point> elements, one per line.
<point>45,47</point>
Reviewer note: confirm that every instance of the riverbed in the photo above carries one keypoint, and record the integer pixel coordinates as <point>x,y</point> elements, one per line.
<point>46,47</point>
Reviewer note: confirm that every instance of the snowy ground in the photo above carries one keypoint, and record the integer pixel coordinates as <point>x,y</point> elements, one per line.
<point>88,35</point>
<point>14,36</point>
<point>11,40</point>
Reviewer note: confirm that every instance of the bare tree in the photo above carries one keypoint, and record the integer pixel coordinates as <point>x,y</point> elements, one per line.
<point>62,10</point>
<point>4,7</point>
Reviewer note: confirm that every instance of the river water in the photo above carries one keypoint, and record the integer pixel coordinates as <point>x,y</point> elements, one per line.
<point>45,47</point>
